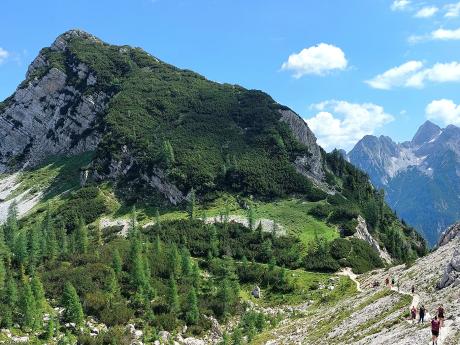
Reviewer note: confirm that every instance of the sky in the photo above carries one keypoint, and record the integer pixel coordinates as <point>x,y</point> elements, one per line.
<point>349,68</point>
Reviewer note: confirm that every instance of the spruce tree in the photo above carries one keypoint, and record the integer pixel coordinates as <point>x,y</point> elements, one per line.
<point>11,225</point>
<point>62,239</point>
<point>51,244</point>
<point>117,264</point>
<point>50,329</point>
<point>28,306</point>
<point>39,293</point>
<point>214,243</point>
<point>186,265</point>
<point>2,273</point>
<point>191,204</point>
<point>81,237</point>
<point>195,276</point>
<point>73,310</point>
<point>33,244</point>
<point>191,312</point>
<point>174,260</point>
<point>157,220</point>
<point>11,292</point>
<point>251,218</point>
<point>20,250</point>
<point>172,296</point>
<point>97,236</point>
<point>132,231</point>
<point>168,153</point>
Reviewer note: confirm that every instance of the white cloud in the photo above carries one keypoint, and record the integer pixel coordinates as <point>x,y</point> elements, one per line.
<point>395,76</point>
<point>426,12</point>
<point>318,60</point>
<point>3,55</point>
<point>443,110</point>
<point>340,124</point>
<point>437,35</point>
<point>400,5</point>
<point>412,74</point>
<point>452,10</point>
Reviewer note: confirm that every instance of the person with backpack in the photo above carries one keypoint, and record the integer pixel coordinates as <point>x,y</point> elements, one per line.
<point>421,314</point>
<point>413,313</point>
<point>413,289</point>
<point>441,315</point>
<point>435,326</point>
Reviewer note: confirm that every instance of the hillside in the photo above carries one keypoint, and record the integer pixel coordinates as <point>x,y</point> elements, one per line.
<point>139,199</point>
<point>420,177</point>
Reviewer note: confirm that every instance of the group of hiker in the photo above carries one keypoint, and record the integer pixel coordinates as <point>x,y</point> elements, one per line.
<point>436,323</point>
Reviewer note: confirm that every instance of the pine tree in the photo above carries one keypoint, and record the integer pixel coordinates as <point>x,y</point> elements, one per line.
<point>51,244</point>
<point>50,329</point>
<point>191,312</point>
<point>174,260</point>
<point>224,297</point>
<point>195,276</point>
<point>11,225</point>
<point>251,218</point>
<point>168,153</point>
<point>2,273</point>
<point>191,204</point>
<point>97,236</point>
<point>73,310</point>
<point>5,252</point>
<point>214,243</point>
<point>186,265</point>
<point>137,268</point>
<point>11,292</point>
<point>20,250</point>
<point>39,293</point>
<point>81,237</point>
<point>28,307</point>
<point>117,264</point>
<point>62,239</point>
<point>33,244</point>
<point>172,296</point>
<point>132,232</point>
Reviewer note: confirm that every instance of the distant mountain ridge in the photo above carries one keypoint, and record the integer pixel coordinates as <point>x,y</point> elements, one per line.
<point>421,177</point>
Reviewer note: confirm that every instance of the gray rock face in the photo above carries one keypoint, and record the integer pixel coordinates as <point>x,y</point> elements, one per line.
<point>50,115</point>
<point>452,232</point>
<point>362,233</point>
<point>310,165</point>
<point>421,177</point>
<point>451,275</point>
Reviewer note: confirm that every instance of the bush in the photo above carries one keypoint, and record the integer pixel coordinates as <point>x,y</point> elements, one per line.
<point>340,248</point>
<point>321,211</point>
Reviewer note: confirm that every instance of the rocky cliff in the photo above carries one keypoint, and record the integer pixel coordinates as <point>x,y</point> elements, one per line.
<point>420,177</point>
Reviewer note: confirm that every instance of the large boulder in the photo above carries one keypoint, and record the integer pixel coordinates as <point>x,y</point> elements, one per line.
<point>451,276</point>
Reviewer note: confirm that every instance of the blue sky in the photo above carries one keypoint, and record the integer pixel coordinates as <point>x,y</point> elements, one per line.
<point>326,59</point>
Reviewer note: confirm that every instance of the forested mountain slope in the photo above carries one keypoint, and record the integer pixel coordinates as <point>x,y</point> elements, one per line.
<point>151,199</point>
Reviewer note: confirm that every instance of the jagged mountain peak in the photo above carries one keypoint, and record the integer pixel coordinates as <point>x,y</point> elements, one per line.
<point>426,132</point>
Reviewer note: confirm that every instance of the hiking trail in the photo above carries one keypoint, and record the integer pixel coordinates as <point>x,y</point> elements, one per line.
<point>349,273</point>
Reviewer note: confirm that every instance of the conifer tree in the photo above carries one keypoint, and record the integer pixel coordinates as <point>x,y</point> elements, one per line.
<point>117,264</point>
<point>39,293</point>
<point>97,235</point>
<point>28,307</point>
<point>195,276</point>
<point>51,244</point>
<point>157,220</point>
<point>20,250</point>
<point>62,239</point>
<point>214,243</point>
<point>50,329</point>
<point>224,297</point>
<point>73,310</point>
<point>5,252</point>
<point>81,237</point>
<point>186,265</point>
<point>11,225</point>
<point>172,296</point>
<point>132,231</point>
<point>2,273</point>
<point>174,260</point>
<point>191,205</point>
<point>11,292</point>
<point>33,244</point>
<point>251,218</point>
<point>168,153</point>
<point>191,312</point>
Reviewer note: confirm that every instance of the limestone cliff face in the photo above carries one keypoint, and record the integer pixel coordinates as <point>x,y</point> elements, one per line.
<point>50,113</point>
<point>362,233</point>
<point>310,165</point>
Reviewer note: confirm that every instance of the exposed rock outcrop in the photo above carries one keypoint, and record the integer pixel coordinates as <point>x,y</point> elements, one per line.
<point>51,113</point>
<point>451,275</point>
<point>310,165</point>
<point>362,233</point>
<point>448,235</point>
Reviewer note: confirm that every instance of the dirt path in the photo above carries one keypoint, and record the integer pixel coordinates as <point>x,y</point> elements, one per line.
<point>349,273</point>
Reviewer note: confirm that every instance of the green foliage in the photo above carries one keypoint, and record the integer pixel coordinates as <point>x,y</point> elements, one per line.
<point>73,310</point>
<point>191,308</point>
<point>172,297</point>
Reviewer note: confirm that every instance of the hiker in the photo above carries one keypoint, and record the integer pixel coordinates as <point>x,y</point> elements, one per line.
<point>392,281</point>
<point>413,289</point>
<point>387,281</point>
<point>421,314</point>
<point>435,325</point>
<point>441,315</point>
<point>413,313</point>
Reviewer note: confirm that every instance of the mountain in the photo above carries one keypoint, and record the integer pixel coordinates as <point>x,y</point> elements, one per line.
<point>139,200</point>
<point>421,177</point>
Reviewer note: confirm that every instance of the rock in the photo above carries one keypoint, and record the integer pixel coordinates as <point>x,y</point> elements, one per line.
<point>256,292</point>
<point>363,234</point>
<point>451,276</point>
<point>17,339</point>
<point>449,234</point>
<point>193,341</point>
<point>164,335</point>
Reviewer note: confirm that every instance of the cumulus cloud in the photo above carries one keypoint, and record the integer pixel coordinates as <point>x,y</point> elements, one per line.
<point>426,12</point>
<point>412,74</point>
<point>452,10</point>
<point>317,60</point>
<point>437,35</point>
<point>443,110</point>
<point>400,5</point>
<point>3,55</point>
<point>340,124</point>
